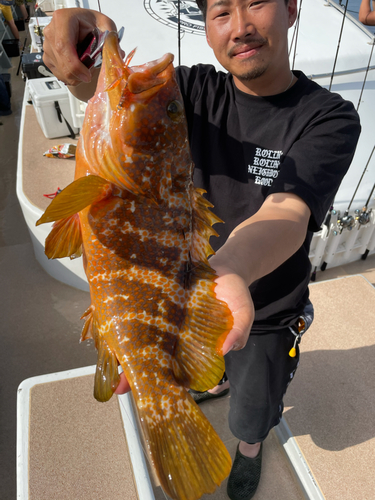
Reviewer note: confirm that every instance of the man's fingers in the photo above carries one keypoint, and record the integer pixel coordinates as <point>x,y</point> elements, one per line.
<point>123,386</point>
<point>61,37</point>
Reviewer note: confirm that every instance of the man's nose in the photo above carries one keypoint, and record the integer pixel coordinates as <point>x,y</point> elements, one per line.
<point>242,25</point>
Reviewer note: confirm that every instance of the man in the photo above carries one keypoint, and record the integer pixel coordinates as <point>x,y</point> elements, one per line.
<point>6,11</point>
<point>270,148</point>
<point>366,15</point>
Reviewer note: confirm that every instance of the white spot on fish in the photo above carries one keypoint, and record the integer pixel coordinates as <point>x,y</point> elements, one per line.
<point>128,159</point>
<point>133,256</point>
<point>132,206</point>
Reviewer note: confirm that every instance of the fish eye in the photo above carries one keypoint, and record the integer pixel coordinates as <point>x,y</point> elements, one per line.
<point>175,110</point>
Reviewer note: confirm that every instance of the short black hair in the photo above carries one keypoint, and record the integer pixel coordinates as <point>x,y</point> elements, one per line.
<point>202,4</point>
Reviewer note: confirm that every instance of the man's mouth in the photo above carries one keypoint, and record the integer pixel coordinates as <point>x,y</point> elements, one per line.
<point>243,51</point>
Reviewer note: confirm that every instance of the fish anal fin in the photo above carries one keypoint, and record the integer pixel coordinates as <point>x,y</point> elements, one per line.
<point>106,376</point>
<point>197,360</point>
<point>75,197</point>
<point>188,456</point>
<point>65,239</point>
<point>87,330</point>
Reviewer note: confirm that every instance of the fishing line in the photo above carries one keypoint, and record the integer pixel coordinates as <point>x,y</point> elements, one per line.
<point>338,43</point>
<point>367,70</point>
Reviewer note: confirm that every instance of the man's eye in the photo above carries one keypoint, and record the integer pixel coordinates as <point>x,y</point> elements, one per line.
<point>255,4</point>
<point>222,14</point>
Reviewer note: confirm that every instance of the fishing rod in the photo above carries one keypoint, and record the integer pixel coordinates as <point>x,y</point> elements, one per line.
<point>320,246</point>
<point>338,44</point>
<point>348,222</point>
<point>367,70</point>
<point>296,32</point>
<point>179,30</point>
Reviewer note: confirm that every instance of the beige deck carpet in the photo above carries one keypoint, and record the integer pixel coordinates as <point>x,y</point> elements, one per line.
<point>331,402</point>
<point>77,446</point>
<point>42,175</point>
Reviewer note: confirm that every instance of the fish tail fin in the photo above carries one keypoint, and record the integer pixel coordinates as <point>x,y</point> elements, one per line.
<point>188,455</point>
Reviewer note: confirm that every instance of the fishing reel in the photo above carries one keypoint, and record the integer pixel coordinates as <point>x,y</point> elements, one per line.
<point>345,222</point>
<point>363,216</point>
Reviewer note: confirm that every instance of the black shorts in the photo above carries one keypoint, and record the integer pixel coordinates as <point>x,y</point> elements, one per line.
<point>259,375</point>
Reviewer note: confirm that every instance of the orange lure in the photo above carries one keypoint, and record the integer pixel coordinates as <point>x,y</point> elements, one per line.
<point>143,230</point>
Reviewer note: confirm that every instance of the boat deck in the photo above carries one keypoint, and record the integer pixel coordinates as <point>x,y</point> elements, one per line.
<point>329,406</point>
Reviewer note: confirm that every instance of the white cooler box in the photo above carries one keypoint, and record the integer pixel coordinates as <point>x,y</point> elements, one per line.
<point>51,103</point>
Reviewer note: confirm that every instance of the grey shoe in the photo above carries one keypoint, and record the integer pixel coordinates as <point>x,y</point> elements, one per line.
<point>245,475</point>
<point>199,397</point>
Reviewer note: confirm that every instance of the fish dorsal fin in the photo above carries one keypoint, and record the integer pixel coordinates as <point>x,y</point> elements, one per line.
<point>203,220</point>
<point>198,361</point>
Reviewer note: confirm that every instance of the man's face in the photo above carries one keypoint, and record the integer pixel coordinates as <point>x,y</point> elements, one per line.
<point>250,37</point>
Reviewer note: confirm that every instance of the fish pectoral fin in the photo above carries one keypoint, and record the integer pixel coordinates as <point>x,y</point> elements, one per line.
<point>189,457</point>
<point>65,239</point>
<point>78,195</point>
<point>198,362</point>
<point>106,376</point>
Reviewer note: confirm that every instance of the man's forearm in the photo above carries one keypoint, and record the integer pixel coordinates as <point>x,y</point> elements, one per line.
<point>262,243</point>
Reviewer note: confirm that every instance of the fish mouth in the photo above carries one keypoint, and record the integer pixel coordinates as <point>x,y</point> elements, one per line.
<point>145,79</point>
<point>150,75</point>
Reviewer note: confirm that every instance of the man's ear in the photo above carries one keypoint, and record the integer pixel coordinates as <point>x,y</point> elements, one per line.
<point>292,11</point>
<point>207,37</point>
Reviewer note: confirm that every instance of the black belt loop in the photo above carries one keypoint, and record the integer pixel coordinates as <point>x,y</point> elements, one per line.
<point>60,116</point>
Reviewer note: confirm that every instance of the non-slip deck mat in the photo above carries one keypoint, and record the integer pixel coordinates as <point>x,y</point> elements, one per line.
<point>77,446</point>
<point>330,406</point>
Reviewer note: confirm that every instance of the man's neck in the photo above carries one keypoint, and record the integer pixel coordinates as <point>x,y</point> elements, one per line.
<point>266,87</point>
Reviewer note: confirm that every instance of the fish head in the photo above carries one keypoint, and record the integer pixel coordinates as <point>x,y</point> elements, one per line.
<point>142,118</point>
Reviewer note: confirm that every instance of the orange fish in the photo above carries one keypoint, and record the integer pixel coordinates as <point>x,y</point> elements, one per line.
<point>144,229</point>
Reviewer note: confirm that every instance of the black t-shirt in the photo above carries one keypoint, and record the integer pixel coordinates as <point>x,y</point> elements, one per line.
<point>246,147</point>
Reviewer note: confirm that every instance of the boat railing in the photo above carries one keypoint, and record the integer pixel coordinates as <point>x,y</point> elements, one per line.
<point>341,73</point>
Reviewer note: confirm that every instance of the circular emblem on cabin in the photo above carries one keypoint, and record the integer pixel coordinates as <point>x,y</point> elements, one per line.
<point>167,12</point>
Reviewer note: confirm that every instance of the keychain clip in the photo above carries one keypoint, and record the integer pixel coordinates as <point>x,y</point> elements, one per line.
<point>301,328</point>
